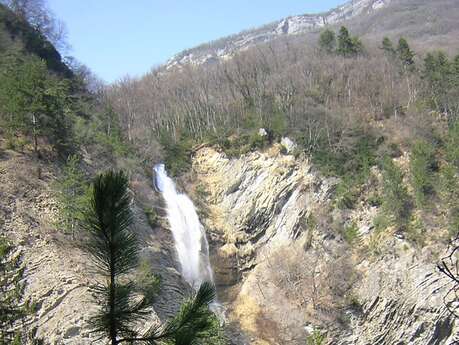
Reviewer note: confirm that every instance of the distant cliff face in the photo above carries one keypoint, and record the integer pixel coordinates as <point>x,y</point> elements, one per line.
<point>226,47</point>
<point>284,270</point>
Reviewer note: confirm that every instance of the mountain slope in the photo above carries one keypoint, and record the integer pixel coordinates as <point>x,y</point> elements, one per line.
<point>419,20</point>
<point>18,34</point>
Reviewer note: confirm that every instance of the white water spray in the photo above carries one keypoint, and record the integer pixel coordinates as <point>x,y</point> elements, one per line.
<point>189,236</point>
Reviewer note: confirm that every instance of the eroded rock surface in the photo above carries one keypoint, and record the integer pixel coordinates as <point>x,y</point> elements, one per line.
<point>257,211</point>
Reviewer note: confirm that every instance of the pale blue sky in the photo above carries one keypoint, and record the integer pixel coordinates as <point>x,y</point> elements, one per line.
<point>115,37</point>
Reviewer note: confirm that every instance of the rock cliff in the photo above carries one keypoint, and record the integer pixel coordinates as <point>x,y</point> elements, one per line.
<point>284,270</point>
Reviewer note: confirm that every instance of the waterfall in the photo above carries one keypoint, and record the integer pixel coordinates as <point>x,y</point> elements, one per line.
<point>189,235</point>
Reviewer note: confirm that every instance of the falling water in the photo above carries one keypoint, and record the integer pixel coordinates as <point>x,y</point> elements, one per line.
<point>189,236</point>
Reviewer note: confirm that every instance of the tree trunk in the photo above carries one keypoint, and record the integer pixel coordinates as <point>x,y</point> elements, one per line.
<point>34,130</point>
<point>113,330</point>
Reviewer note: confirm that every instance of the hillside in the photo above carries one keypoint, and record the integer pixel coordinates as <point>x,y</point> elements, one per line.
<point>20,35</point>
<point>426,23</point>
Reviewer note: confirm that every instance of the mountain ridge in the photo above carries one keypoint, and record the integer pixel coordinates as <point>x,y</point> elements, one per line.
<point>225,47</point>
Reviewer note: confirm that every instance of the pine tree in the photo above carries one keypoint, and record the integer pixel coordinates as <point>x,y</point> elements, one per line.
<point>327,40</point>
<point>72,194</point>
<point>405,54</point>
<point>439,74</point>
<point>11,289</point>
<point>422,166</point>
<point>396,201</point>
<point>348,45</point>
<point>344,42</point>
<point>388,47</point>
<point>114,250</point>
<point>33,102</point>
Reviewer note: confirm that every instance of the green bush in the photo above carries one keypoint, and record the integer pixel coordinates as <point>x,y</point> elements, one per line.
<point>351,234</point>
<point>177,154</point>
<point>201,191</point>
<point>354,160</point>
<point>216,333</point>
<point>147,282</point>
<point>346,194</point>
<point>152,217</point>
<point>316,338</point>
<point>375,200</point>
<point>415,232</point>
<point>11,290</point>
<point>257,141</point>
<point>381,222</point>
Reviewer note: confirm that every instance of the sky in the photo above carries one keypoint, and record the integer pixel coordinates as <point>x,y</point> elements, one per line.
<point>115,38</point>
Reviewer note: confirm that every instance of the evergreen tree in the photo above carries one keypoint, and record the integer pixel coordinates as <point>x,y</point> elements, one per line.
<point>11,290</point>
<point>327,40</point>
<point>405,54</point>
<point>388,47</point>
<point>344,42</point>
<point>442,81</point>
<point>114,250</point>
<point>33,102</point>
<point>455,68</point>
<point>396,201</point>
<point>422,166</point>
<point>348,45</point>
<point>72,194</point>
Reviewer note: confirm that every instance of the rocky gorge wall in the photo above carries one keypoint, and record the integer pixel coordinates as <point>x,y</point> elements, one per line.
<point>281,265</point>
<point>283,269</point>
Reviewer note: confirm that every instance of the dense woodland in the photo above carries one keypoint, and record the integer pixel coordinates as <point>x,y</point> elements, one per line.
<point>350,104</point>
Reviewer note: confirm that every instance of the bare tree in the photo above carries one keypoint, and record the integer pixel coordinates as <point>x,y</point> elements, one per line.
<point>38,14</point>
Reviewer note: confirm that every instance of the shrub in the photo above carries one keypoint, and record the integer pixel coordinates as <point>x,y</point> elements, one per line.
<point>415,232</point>
<point>315,338</point>
<point>152,217</point>
<point>201,191</point>
<point>381,222</point>
<point>346,194</point>
<point>375,199</point>
<point>354,303</point>
<point>177,154</point>
<point>257,141</point>
<point>351,234</point>
<point>147,282</point>
<point>327,40</point>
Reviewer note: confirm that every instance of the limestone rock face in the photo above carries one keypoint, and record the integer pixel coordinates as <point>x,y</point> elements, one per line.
<point>258,201</point>
<point>258,211</point>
